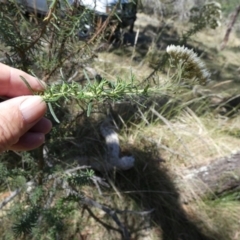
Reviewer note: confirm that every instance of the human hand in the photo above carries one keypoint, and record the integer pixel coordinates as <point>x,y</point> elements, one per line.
<point>22,122</point>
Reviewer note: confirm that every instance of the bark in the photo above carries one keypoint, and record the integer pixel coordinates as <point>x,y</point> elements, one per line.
<point>220,176</point>
<point>230,27</point>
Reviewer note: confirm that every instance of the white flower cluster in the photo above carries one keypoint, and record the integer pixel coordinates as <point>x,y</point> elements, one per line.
<point>192,66</point>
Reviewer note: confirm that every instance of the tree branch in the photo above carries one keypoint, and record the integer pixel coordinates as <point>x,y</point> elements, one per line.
<point>230,27</point>
<point>14,194</point>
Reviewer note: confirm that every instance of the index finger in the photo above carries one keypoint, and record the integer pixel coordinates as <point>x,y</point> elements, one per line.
<point>12,85</point>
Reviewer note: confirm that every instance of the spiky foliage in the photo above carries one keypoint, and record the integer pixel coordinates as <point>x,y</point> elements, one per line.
<point>27,221</point>
<point>42,45</point>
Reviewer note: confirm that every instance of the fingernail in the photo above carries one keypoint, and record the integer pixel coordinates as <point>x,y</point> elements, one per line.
<point>32,108</point>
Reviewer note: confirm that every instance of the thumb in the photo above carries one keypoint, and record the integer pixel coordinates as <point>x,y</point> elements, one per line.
<point>17,116</point>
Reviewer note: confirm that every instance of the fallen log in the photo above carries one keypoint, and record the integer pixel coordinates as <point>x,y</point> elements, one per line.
<point>219,177</point>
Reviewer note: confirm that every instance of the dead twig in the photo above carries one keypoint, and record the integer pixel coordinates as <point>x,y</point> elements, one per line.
<point>113,213</point>
<point>14,194</point>
<point>230,27</point>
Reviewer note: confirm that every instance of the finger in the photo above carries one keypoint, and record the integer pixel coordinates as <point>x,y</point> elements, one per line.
<point>29,141</point>
<point>12,85</point>
<point>43,126</point>
<point>17,116</point>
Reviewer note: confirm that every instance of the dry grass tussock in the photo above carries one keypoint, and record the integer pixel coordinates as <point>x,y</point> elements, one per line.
<point>186,141</point>
<point>193,139</point>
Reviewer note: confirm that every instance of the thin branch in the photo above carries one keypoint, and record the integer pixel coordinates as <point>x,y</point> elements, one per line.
<point>41,165</point>
<point>158,68</point>
<point>111,212</point>
<point>50,198</point>
<point>104,25</point>
<point>99,181</point>
<point>230,27</point>
<point>100,221</point>
<point>10,198</point>
<point>14,194</point>
<point>76,169</point>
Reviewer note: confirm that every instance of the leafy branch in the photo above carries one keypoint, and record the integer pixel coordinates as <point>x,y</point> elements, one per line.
<point>97,91</point>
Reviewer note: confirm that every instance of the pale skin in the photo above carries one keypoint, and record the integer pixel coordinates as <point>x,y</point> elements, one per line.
<point>22,122</point>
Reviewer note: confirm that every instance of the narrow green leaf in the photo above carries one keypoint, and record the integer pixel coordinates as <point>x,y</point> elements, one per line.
<point>86,75</point>
<point>55,26</point>
<point>52,4</point>
<point>52,112</point>
<point>146,89</point>
<point>89,109</point>
<point>61,72</point>
<point>27,84</point>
